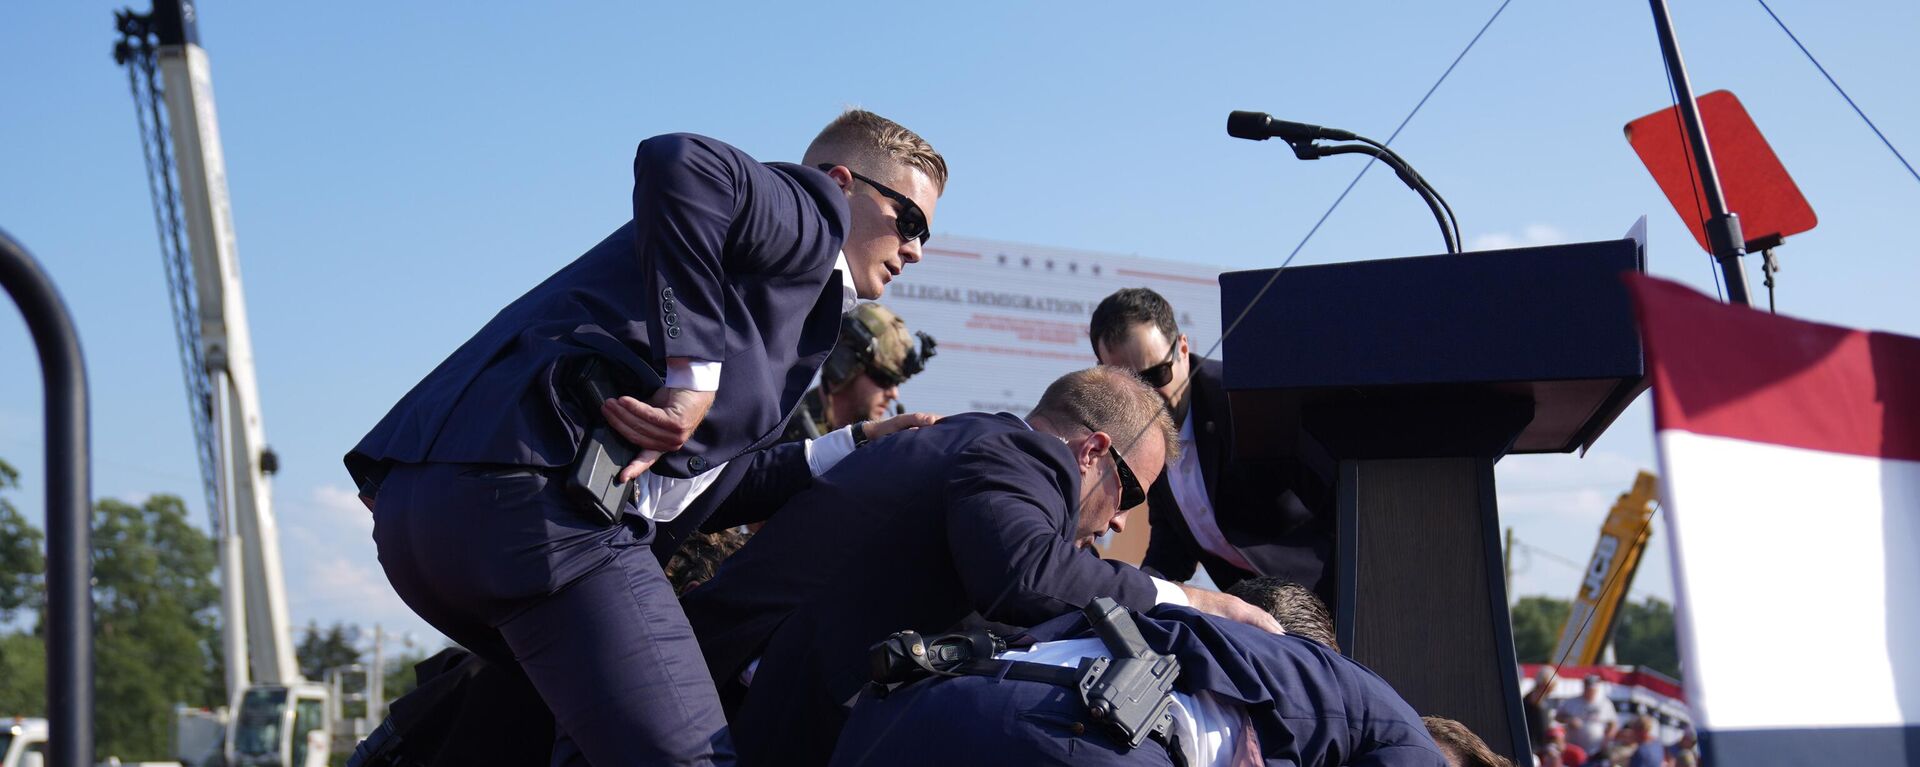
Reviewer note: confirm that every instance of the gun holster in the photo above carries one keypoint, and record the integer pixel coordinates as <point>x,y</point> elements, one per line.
<point>593,479</point>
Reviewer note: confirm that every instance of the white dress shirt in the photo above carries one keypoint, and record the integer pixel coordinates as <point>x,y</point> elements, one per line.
<point>662,498</point>
<point>1211,732</point>
<point>1190,491</point>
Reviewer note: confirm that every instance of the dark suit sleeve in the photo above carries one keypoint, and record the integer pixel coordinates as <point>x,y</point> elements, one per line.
<point>1171,551</point>
<point>770,477</point>
<point>1009,529</point>
<point>1399,756</point>
<point>686,192</point>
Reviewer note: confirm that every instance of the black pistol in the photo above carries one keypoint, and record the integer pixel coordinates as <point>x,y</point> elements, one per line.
<point>1129,695</point>
<point>593,480</point>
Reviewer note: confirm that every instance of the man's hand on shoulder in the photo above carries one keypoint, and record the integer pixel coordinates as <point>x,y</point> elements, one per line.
<point>902,422</point>
<point>658,426</point>
<point>1231,608</point>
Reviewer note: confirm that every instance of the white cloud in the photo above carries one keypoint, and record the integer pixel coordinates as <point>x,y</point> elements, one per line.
<point>343,506</point>
<point>1528,236</point>
<point>332,570</point>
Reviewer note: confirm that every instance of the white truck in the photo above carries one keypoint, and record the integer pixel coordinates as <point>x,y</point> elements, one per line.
<point>23,743</point>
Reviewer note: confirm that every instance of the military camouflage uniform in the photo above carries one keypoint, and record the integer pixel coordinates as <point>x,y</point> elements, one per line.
<point>872,339</point>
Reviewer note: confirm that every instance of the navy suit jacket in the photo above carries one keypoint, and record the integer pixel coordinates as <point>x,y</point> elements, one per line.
<point>913,531</point>
<point>1308,704</point>
<point>1279,514</point>
<point>726,259</point>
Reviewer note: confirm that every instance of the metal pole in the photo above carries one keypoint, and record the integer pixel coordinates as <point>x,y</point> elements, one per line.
<point>69,498</point>
<point>1506,564</point>
<point>1723,226</point>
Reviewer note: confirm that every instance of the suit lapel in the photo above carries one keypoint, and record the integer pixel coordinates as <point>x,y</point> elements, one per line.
<point>1210,425</point>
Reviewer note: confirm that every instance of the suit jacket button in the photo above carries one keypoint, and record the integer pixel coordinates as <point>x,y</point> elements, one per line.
<point>666,294</point>
<point>673,331</point>
<point>666,303</point>
<point>696,464</point>
<point>673,319</point>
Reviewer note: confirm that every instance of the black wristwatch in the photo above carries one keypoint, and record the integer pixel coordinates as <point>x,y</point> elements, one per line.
<point>859,434</point>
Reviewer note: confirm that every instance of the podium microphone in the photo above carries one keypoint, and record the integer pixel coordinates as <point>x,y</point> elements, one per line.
<point>1260,126</point>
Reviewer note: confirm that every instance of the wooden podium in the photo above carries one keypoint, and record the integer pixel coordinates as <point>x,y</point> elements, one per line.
<point>1411,377</point>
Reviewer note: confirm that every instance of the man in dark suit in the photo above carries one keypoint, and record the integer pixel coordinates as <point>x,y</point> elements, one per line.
<point>1243,697</point>
<point>1238,518</point>
<point>987,513</point>
<point>727,262</point>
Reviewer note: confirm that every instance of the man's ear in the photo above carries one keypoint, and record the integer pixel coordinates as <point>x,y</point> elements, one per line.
<point>1092,447</point>
<point>1184,349</point>
<point>842,176</point>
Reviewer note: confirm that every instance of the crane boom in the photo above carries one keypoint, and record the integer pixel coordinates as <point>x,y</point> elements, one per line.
<point>1609,574</point>
<point>228,351</point>
<point>276,717</point>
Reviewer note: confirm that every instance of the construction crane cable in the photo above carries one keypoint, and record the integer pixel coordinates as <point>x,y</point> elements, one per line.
<point>135,51</point>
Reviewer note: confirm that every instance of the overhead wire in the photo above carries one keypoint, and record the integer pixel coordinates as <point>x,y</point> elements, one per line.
<point>1842,91</point>
<point>1693,180</point>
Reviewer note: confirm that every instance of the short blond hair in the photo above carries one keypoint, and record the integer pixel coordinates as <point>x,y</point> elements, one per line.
<point>864,139</point>
<point>1113,400</point>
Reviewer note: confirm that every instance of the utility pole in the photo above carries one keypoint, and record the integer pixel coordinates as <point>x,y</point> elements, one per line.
<point>377,678</point>
<point>1506,563</point>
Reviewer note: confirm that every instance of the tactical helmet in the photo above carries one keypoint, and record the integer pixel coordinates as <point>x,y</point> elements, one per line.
<point>875,340</point>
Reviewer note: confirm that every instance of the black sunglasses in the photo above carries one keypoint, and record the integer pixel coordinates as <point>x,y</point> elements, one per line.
<point>909,219</point>
<point>1131,493</point>
<point>1160,375</point>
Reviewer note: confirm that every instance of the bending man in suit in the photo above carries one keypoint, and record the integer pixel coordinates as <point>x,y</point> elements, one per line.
<point>988,513</point>
<point>727,263</point>
<point>1239,519</point>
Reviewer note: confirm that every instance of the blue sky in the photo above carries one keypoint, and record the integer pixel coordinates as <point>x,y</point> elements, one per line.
<point>400,171</point>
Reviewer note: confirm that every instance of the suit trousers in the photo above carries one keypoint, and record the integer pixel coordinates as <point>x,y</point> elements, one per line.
<point>501,561</point>
<point>975,720</point>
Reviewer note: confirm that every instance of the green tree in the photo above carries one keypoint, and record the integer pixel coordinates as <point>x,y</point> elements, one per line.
<point>320,651</point>
<point>23,675</point>
<point>399,678</point>
<point>23,657</point>
<point>1536,627</point>
<point>22,547</point>
<point>155,634</point>
<point>1644,635</point>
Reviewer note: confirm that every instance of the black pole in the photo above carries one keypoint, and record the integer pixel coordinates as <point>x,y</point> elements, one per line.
<point>69,533</point>
<point>1723,226</point>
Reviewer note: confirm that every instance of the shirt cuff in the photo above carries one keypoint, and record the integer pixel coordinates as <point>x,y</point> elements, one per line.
<point>828,449</point>
<point>690,373</point>
<point>1169,593</point>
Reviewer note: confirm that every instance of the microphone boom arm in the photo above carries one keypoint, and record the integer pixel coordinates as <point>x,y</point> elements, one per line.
<point>1308,151</point>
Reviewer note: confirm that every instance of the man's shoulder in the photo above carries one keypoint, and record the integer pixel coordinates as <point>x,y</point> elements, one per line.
<point>1208,368</point>
<point>671,144</point>
<point>988,423</point>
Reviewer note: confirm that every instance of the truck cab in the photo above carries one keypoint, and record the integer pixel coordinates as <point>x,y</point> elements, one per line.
<point>23,742</point>
<point>280,726</point>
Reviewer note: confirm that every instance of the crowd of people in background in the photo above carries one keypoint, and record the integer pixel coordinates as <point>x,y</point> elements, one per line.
<point>1589,730</point>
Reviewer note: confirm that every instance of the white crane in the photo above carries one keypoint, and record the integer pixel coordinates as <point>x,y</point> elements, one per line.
<point>279,718</point>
